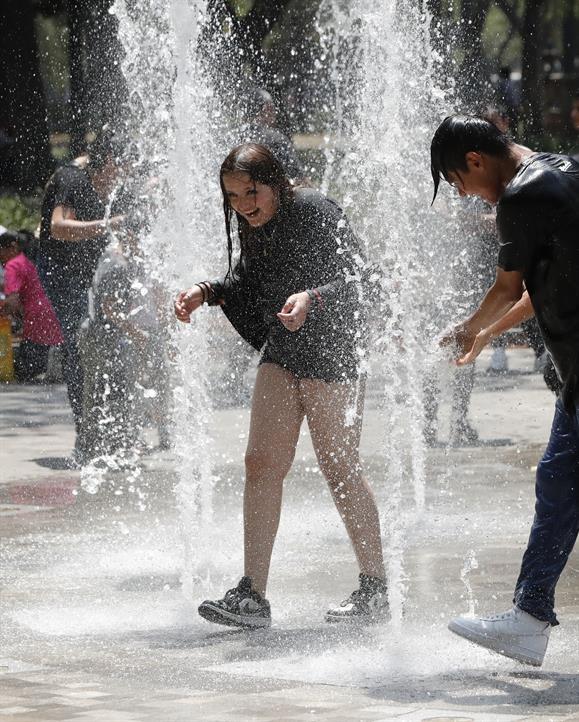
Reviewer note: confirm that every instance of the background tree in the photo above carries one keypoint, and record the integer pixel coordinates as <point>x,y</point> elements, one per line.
<point>474,69</point>
<point>526,21</point>
<point>97,88</point>
<point>23,106</point>
<point>60,72</point>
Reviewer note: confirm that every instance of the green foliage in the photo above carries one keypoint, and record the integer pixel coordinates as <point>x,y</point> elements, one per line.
<point>19,213</point>
<point>498,46</point>
<point>241,7</point>
<point>52,39</point>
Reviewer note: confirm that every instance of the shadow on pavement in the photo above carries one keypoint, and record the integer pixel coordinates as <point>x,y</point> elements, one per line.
<point>265,643</point>
<point>58,463</point>
<point>520,692</point>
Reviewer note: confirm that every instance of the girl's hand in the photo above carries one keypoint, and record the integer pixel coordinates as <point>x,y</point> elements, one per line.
<point>187,302</point>
<point>295,310</point>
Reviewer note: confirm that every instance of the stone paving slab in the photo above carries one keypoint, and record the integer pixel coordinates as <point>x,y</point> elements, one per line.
<point>96,625</point>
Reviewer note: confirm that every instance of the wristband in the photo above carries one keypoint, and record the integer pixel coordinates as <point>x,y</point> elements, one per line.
<point>312,296</point>
<point>203,292</point>
<point>318,296</point>
<point>208,293</point>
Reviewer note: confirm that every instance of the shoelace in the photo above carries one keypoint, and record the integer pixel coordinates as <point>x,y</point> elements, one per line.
<point>234,595</point>
<point>360,595</point>
<point>500,617</point>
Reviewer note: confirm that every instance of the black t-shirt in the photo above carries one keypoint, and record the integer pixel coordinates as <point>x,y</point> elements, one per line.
<point>66,262</point>
<point>538,221</point>
<point>308,244</point>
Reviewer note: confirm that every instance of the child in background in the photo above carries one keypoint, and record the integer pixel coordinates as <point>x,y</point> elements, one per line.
<point>25,298</point>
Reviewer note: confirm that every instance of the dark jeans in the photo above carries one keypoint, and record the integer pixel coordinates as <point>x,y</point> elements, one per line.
<point>31,360</point>
<point>556,522</point>
<point>70,304</point>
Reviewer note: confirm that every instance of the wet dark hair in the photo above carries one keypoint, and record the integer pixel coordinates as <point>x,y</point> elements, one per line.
<point>106,145</point>
<point>262,167</point>
<point>458,135</point>
<point>9,237</point>
<point>24,240</point>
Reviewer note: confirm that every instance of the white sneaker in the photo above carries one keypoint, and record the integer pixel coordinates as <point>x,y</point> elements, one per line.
<point>498,363</point>
<point>514,634</point>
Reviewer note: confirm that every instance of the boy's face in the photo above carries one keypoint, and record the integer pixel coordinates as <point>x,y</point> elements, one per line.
<point>481,178</point>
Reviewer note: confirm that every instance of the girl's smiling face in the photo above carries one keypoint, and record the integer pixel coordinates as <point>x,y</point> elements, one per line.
<point>256,202</point>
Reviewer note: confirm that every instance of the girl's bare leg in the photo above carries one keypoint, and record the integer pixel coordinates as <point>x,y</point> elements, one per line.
<point>276,417</point>
<point>336,443</point>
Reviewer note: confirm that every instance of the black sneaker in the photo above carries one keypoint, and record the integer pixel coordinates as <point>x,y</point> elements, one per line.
<point>241,606</point>
<point>369,603</point>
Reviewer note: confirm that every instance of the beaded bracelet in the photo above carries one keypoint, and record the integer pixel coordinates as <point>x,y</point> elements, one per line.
<point>208,292</point>
<point>318,297</point>
<point>201,286</point>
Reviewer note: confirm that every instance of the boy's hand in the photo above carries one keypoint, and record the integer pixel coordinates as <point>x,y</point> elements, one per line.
<point>459,340</point>
<point>482,339</point>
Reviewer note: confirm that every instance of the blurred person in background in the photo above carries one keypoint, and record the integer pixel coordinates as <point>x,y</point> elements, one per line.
<point>123,350</point>
<point>79,208</point>
<point>508,96</point>
<point>26,300</point>
<point>260,126</point>
<point>470,271</point>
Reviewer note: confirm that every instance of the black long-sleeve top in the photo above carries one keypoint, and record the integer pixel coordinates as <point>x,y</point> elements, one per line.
<point>307,245</point>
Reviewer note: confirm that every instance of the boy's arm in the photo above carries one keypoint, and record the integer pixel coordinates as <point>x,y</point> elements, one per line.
<point>521,311</point>
<point>64,226</point>
<point>501,297</point>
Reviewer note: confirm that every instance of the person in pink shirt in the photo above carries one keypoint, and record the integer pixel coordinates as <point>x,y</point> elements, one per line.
<point>25,297</point>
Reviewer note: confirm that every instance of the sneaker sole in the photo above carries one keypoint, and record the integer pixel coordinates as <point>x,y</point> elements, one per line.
<point>338,619</point>
<point>220,616</point>
<point>513,651</point>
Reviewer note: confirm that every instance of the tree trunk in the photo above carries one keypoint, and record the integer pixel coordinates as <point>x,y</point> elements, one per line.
<point>473,73</point>
<point>240,53</point>
<point>97,87</point>
<point>532,82</point>
<point>76,11</point>
<point>570,28</point>
<point>23,107</point>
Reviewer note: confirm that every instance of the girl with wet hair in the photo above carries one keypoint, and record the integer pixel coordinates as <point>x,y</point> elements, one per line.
<point>296,294</point>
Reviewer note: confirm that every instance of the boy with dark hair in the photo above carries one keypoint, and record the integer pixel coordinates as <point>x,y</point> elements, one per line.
<point>537,198</point>
<point>74,231</point>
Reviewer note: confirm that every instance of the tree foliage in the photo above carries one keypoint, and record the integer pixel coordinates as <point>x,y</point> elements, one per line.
<point>523,34</point>
<point>59,60</point>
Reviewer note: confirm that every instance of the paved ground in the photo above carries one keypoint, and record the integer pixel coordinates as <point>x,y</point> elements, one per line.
<point>97,626</point>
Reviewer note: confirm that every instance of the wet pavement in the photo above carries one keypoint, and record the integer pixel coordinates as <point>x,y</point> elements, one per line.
<point>97,624</point>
